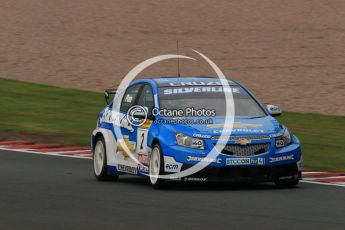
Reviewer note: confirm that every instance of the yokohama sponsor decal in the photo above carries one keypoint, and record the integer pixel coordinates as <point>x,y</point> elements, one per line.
<point>281,158</point>
<point>204,159</point>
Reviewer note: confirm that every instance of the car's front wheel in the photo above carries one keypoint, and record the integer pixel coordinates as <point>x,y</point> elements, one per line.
<point>156,167</point>
<point>100,161</point>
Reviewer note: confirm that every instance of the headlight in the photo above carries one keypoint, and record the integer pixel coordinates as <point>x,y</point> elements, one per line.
<point>283,140</point>
<point>189,142</point>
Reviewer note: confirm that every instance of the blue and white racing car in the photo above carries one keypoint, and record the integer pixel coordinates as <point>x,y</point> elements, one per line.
<point>163,127</point>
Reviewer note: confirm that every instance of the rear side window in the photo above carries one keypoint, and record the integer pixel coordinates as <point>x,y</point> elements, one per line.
<point>129,98</point>
<point>146,98</point>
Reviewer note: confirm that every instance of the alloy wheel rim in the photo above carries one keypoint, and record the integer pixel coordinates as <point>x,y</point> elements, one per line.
<point>98,158</point>
<point>154,165</point>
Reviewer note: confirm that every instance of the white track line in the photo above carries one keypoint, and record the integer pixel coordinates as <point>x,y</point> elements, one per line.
<point>56,152</point>
<point>48,154</point>
<point>322,183</point>
<point>322,178</point>
<point>307,173</point>
<point>340,183</point>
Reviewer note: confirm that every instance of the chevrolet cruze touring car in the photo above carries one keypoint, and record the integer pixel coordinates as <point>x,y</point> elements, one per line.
<point>165,126</point>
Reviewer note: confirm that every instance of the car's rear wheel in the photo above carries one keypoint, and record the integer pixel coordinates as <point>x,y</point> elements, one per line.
<point>156,167</point>
<point>100,161</point>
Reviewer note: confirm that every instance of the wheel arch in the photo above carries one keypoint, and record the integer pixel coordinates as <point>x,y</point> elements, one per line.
<point>155,141</point>
<point>109,141</point>
<point>95,138</point>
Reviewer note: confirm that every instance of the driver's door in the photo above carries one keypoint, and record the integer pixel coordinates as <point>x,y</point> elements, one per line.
<point>128,131</point>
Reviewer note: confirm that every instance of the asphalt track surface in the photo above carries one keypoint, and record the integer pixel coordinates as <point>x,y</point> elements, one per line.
<point>50,192</point>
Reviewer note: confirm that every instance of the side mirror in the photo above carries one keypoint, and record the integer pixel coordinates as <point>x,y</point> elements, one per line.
<point>274,110</point>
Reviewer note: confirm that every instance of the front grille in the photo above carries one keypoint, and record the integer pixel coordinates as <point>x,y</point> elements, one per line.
<point>246,150</point>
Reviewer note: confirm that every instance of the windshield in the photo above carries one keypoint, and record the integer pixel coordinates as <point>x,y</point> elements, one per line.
<point>209,98</point>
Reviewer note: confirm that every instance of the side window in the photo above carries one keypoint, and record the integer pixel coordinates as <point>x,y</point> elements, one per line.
<point>146,98</point>
<point>129,97</point>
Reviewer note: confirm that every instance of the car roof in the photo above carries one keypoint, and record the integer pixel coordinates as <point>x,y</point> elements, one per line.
<point>185,81</point>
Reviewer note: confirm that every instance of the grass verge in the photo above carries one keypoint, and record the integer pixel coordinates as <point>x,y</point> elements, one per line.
<point>71,114</point>
<point>322,139</point>
<point>47,110</point>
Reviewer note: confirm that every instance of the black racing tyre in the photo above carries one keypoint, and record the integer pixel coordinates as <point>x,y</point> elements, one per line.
<point>156,167</point>
<point>100,161</point>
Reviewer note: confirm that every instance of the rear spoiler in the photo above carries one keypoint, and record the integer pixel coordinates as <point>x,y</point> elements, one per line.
<point>108,92</point>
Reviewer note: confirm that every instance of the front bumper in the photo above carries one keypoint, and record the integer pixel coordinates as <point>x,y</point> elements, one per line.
<point>246,173</point>
<point>282,163</point>
<point>182,155</point>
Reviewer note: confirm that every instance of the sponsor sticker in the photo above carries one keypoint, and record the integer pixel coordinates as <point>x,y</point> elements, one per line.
<point>128,98</point>
<point>171,167</point>
<point>245,161</point>
<point>194,83</point>
<point>286,177</point>
<point>187,90</point>
<point>143,169</point>
<point>125,142</point>
<point>115,118</point>
<point>200,179</point>
<point>275,134</point>
<point>281,158</point>
<point>127,169</point>
<point>240,130</point>
<point>204,159</point>
<point>201,135</point>
<point>261,161</point>
<point>107,116</point>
